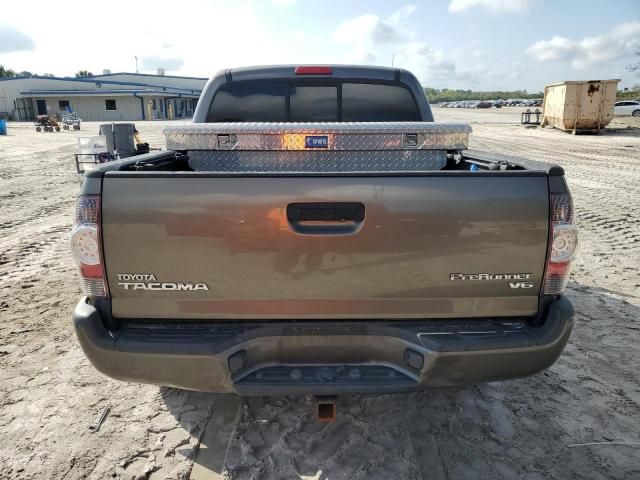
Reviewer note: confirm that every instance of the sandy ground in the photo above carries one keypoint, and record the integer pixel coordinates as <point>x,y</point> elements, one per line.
<point>529,429</point>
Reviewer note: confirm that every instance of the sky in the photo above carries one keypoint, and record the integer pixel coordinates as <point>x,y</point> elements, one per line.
<point>467,44</point>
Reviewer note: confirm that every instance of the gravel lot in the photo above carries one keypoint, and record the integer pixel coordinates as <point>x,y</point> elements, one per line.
<point>532,428</point>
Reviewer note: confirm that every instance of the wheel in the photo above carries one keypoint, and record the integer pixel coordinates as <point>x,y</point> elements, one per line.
<point>57,129</point>
<point>38,129</point>
<point>635,113</point>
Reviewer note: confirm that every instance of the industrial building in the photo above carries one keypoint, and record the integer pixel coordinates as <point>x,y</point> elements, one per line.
<point>108,97</point>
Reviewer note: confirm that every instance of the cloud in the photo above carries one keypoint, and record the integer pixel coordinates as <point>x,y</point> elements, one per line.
<point>496,6</point>
<point>362,29</point>
<point>370,39</point>
<point>401,15</point>
<point>154,39</point>
<point>372,29</point>
<point>284,3</point>
<point>153,62</point>
<point>429,62</point>
<point>385,33</point>
<point>467,66</point>
<point>618,43</point>
<point>13,40</point>
<point>366,38</point>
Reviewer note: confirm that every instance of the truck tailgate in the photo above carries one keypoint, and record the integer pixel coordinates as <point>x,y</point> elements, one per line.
<point>198,245</point>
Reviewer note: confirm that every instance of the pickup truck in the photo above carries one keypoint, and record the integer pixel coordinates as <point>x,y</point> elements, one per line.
<point>315,231</point>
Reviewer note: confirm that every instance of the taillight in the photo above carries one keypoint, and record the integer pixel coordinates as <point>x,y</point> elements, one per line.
<point>564,243</point>
<point>86,246</point>
<point>313,70</point>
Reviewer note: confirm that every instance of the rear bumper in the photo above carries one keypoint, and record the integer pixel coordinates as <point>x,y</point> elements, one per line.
<point>323,358</point>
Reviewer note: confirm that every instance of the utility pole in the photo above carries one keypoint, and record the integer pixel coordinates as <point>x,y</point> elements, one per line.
<point>136,57</point>
<point>393,56</point>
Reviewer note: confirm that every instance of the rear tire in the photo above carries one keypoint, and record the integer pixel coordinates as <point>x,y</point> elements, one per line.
<point>635,113</point>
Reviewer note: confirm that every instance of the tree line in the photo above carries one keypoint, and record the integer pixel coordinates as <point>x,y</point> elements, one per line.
<point>9,73</point>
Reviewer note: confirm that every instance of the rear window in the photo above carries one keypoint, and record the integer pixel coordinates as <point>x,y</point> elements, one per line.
<point>255,102</point>
<point>367,102</point>
<point>314,104</point>
<point>284,102</point>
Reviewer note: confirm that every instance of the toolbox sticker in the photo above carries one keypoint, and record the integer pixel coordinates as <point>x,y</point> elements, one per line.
<point>316,141</point>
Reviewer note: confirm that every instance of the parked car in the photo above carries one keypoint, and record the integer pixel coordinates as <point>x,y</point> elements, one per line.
<point>626,108</point>
<point>315,231</point>
<point>484,104</point>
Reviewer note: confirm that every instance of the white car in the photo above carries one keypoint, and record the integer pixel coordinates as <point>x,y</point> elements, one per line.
<point>628,107</point>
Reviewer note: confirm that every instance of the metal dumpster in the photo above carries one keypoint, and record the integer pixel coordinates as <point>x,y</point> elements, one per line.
<point>579,105</point>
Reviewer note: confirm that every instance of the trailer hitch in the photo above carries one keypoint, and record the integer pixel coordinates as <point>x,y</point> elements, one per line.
<point>325,409</point>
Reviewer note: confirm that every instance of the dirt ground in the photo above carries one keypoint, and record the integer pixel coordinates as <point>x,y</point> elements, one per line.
<point>578,420</point>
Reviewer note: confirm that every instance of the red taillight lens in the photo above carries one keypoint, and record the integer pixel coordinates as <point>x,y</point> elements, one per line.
<point>311,70</point>
<point>86,246</point>
<point>564,244</point>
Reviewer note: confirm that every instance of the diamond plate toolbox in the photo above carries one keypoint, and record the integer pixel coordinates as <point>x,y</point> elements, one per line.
<point>230,161</point>
<point>349,136</point>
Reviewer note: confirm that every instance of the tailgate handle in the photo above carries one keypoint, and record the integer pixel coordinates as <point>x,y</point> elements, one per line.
<point>325,212</point>
<point>326,218</point>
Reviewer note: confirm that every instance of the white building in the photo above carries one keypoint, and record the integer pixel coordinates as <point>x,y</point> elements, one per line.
<point>109,97</point>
